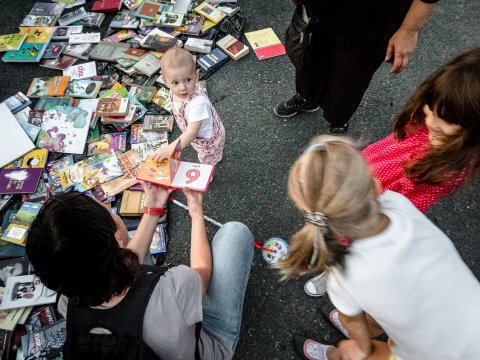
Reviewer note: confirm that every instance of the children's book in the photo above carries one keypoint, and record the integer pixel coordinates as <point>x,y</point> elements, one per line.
<point>138,135</point>
<point>209,12</point>
<point>35,159</point>
<point>64,129</point>
<point>91,172</point>
<point>148,65</point>
<point>147,10</point>
<point>148,148</point>
<point>84,38</point>
<point>64,32</point>
<point>62,62</point>
<point>174,173</point>
<point>16,231</point>
<point>33,47</point>
<point>9,318</point>
<point>53,169</point>
<point>14,142</point>
<point>54,86</point>
<point>124,20</point>
<point>72,16</point>
<point>81,51</point>
<point>213,60</point>
<point>23,114</point>
<point>13,267</point>
<point>11,41</point>
<point>26,290</point>
<point>93,19</point>
<point>82,71</point>
<point>49,103</point>
<point>54,49</point>
<point>8,217</point>
<point>19,181</point>
<point>107,5</point>
<point>130,163</point>
<point>115,141</point>
<point>159,240</point>
<point>198,45</point>
<point>35,117</point>
<point>132,203</point>
<point>265,43</point>
<point>31,130</point>
<point>83,88</point>
<point>47,9</point>
<point>157,123</point>
<point>233,47</point>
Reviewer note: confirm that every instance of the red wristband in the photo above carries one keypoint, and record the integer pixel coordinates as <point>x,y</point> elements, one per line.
<point>154,211</point>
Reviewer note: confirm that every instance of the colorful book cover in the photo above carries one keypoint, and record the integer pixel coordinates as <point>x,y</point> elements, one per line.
<point>16,231</point>
<point>82,71</point>
<point>11,41</point>
<point>53,86</point>
<point>159,239</point>
<point>83,88</point>
<point>64,129</point>
<point>132,5</point>
<point>35,159</point>
<point>138,135</point>
<point>17,102</point>
<point>53,169</point>
<point>213,59</point>
<point>121,35</point>
<point>265,43</point>
<point>124,20</point>
<point>194,24</point>
<point>148,10</point>
<point>158,123</point>
<point>54,49</point>
<point>116,142</point>
<point>33,47</point>
<point>49,103</point>
<point>64,32</point>
<point>148,148</point>
<point>41,318</point>
<point>35,117</point>
<point>209,12</point>
<point>38,20</point>
<point>26,290</point>
<point>31,130</point>
<point>19,181</point>
<point>91,172</point>
<point>130,163</point>
<point>44,9</point>
<point>62,62</point>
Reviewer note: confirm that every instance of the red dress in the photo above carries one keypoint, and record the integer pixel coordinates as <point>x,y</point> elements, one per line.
<point>386,159</point>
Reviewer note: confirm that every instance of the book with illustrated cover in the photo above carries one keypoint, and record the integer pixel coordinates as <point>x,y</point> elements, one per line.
<point>13,267</point>
<point>17,102</point>
<point>160,43</point>
<point>72,16</point>
<point>159,240</point>
<point>82,71</point>
<point>147,10</point>
<point>132,115</point>
<point>33,47</point>
<point>265,43</point>
<point>194,24</point>
<point>213,60</point>
<point>23,114</point>
<point>148,148</point>
<point>138,135</point>
<point>38,20</point>
<point>64,129</point>
<point>108,51</point>
<point>130,163</point>
<point>91,172</point>
<point>81,51</point>
<point>233,47</point>
<point>47,9</point>
<point>35,117</point>
<point>132,5</point>
<point>168,19</point>
<point>54,86</point>
<point>209,12</point>
<point>19,180</point>
<point>16,231</point>
<point>64,32</point>
<point>84,38</point>
<point>121,35</point>
<point>14,142</point>
<point>93,19</point>
<point>36,158</point>
<point>144,94</point>
<point>174,173</point>
<point>83,88</point>
<point>54,49</point>
<point>124,20</point>
<point>26,290</point>
<point>62,62</point>
<point>41,318</point>
<point>11,41</point>
<point>162,99</point>
<point>31,130</point>
<point>9,318</point>
<point>112,107</point>
<point>115,142</point>
<point>148,65</point>
<point>126,63</point>
<point>48,103</point>
<point>198,45</point>
<point>134,54</point>
<point>228,9</point>
<point>53,169</point>
<point>8,217</point>
<point>132,203</point>
<point>158,123</point>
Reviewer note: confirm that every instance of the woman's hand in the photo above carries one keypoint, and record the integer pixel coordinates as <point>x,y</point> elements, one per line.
<point>401,47</point>
<point>156,196</point>
<point>195,202</point>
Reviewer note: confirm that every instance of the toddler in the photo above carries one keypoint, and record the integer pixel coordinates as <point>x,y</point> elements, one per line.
<point>195,116</point>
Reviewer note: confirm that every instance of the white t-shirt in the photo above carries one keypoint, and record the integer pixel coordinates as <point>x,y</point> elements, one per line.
<point>413,282</point>
<point>199,109</point>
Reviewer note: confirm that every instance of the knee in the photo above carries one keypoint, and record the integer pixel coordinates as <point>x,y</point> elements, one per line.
<point>235,234</point>
<point>238,229</point>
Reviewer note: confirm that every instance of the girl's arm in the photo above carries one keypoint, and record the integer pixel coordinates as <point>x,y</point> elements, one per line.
<point>185,139</point>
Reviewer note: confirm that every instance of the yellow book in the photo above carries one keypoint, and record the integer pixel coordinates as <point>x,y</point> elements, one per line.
<point>133,203</point>
<point>209,12</point>
<point>35,159</point>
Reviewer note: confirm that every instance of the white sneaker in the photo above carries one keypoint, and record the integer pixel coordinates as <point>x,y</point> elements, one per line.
<point>316,286</point>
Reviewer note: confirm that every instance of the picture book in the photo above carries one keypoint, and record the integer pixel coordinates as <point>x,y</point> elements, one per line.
<point>9,318</point>
<point>14,142</point>
<point>38,20</point>
<point>132,203</point>
<point>124,20</point>
<point>138,135</point>
<point>13,267</point>
<point>147,9</point>
<point>64,32</point>
<point>54,86</point>
<point>157,123</point>
<point>131,116</point>
<point>81,51</point>
<point>209,12</point>
<point>93,20</point>
<point>33,47</point>
<point>83,88</point>
<point>112,107</point>
<point>16,231</point>
<point>148,65</point>
<point>162,99</point>
<point>72,16</point>
<point>64,130</point>
<point>54,49</point>
<point>23,114</point>
<point>108,51</point>
<point>53,169</point>
<point>41,193</point>
<point>115,141</point>
<point>148,148</point>
<point>62,62</point>
<point>194,24</point>
<point>19,181</point>
<point>174,173</point>
<point>8,217</point>
<point>159,240</point>
<point>26,290</point>
<point>107,5</point>
<point>82,71</point>
<point>198,45</point>
<point>134,54</point>
<point>228,9</point>
<point>130,163</point>
<point>84,38</point>
<point>92,171</point>
<point>49,103</point>
<point>233,47</point>
<point>265,43</point>
<point>213,60</point>
<point>11,41</point>
<point>36,158</point>
<point>35,117</point>
<point>160,43</point>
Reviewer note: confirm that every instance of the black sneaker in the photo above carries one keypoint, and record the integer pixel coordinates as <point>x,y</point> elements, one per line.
<point>339,129</point>
<point>293,106</point>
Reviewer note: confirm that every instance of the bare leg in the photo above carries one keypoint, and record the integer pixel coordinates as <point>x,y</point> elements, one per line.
<point>381,351</point>
<point>373,328</point>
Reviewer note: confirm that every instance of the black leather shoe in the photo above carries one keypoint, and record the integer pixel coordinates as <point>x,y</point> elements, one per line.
<point>339,129</point>
<point>293,106</point>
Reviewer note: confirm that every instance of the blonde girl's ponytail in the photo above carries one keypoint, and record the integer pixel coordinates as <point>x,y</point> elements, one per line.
<point>332,187</point>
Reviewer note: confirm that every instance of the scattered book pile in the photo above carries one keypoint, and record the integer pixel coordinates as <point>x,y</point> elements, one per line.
<point>93,127</point>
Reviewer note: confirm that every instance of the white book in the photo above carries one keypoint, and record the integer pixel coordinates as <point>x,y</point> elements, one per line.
<point>198,45</point>
<point>148,65</point>
<point>85,38</point>
<point>75,15</point>
<point>82,71</point>
<point>181,6</point>
<point>64,32</point>
<point>14,141</point>
<point>26,290</point>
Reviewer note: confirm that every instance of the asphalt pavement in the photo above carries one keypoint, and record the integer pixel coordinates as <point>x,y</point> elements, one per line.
<point>250,182</point>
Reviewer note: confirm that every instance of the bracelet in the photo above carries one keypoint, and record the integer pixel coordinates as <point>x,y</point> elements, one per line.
<point>154,211</point>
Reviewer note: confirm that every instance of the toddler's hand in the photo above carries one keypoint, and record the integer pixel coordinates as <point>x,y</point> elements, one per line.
<point>161,153</point>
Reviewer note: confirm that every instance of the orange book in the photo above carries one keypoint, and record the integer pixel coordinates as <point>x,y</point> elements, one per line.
<point>53,86</point>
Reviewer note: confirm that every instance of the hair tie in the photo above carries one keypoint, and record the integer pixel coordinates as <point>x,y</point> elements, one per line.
<point>317,218</point>
<point>314,146</point>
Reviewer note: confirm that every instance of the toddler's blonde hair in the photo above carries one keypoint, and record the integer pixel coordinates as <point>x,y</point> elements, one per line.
<point>175,58</point>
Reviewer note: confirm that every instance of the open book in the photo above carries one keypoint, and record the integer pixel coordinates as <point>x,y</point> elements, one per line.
<point>174,173</point>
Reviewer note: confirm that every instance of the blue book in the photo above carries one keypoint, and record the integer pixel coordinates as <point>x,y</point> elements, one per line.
<point>213,59</point>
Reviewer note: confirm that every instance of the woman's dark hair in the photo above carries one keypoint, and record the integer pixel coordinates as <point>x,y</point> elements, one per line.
<point>72,247</point>
<point>453,93</point>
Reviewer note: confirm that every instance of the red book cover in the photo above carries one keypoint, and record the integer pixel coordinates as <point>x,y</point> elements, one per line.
<point>107,5</point>
<point>270,51</point>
